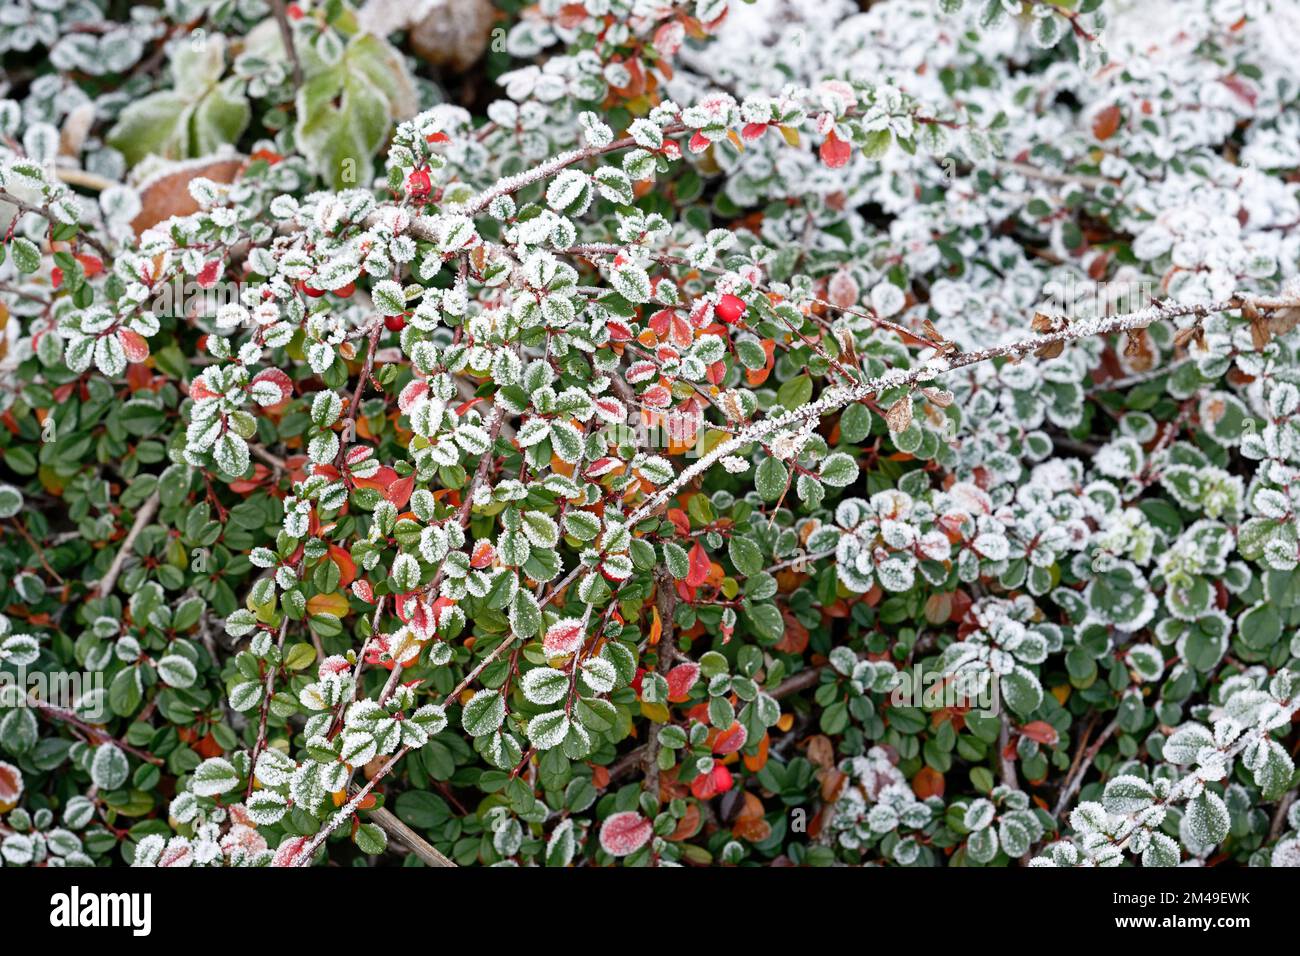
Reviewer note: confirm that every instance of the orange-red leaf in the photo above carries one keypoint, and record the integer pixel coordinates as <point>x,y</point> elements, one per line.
<point>1106,123</point>
<point>656,626</point>
<point>699,571</point>
<point>347,568</point>
<point>928,782</point>
<point>1041,731</point>
<point>835,152</point>
<point>399,492</point>
<point>336,604</point>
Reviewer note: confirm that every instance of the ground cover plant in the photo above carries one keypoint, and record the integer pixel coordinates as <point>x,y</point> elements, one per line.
<point>645,433</point>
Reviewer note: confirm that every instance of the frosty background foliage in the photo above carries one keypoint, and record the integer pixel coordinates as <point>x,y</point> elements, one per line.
<point>650,433</point>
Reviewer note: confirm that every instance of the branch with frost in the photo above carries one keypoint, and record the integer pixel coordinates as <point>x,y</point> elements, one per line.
<point>508,185</point>
<point>281,13</point>
<point>1075,780</point>
<point>350,808</point>
<point>837,397</point>
<point>44,212</point>
<point>666,604</point>
<point>1058,179</point>
<point>93,734</point>
<point>834,399</point>
<point>1006,764</point>
<point>360,665</point>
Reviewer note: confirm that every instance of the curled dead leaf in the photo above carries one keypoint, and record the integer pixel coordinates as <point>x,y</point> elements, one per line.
<point>938,396</point>
<point>1138,349</point>
<point>833,782</point>
<point>899,415</point>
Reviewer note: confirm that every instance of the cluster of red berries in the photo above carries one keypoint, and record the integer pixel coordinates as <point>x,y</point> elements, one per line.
<point>343,292</point>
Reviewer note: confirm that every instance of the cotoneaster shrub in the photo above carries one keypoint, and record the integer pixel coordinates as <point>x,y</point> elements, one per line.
<point>572,453</point>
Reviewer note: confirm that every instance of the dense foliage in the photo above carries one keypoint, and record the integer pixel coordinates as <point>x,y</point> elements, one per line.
<point>570,434</point>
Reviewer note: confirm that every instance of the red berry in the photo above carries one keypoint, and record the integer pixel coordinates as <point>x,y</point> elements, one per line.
<point>394,323</point>
<point>314,293</point>
<point>730,308</point>
<point>294,11</point>
<point>346,291</point>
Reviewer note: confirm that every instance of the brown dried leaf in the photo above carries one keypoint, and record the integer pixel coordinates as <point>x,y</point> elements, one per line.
<point>1284,320</point>
<point>1138,349</point>
<point>168,194</point>
<point>842,290</point>
<point>899,415</point>
<point>938,396</point>
<point>1259,333</point>
<point>1183,336</point>
<point>455,34</point>
<point>821,751</point>
<point>1106,123</point>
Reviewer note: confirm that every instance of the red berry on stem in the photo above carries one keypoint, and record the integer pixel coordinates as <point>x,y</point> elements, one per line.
<point>730,308</point>
<point>394,323</point>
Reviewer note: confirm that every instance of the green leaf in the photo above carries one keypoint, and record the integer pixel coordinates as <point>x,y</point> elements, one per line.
<point>484,713</point>
<point>339,140</point>
<point>796,392</point>
<point>213,777</point>
<point>770,478</point>
<point>1022,691</point>
<point>855,423</point>
<point>745,555</point>
<point>370,839</point>
<point>150,125</point>
<point>766,621</point>
<point>838,470</point>
<point>219,117</point>
<point>27,258</point>
<point>421,809</point>
<point>525,615</point>
<point>1207,818</point>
